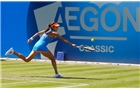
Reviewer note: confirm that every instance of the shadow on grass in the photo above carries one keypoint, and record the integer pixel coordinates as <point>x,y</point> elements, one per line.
<point>72,78</point>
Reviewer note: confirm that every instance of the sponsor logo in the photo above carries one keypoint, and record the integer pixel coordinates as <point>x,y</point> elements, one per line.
<point>102,21</point>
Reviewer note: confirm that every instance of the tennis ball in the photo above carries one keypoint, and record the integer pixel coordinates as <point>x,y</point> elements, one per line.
<point>92,39</point>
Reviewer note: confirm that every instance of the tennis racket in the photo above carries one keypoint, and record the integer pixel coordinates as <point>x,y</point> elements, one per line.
<point>86,47</point>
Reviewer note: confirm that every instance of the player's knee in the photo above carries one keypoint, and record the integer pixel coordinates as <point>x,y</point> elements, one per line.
<point>53,60</point>
<point>27,60</point>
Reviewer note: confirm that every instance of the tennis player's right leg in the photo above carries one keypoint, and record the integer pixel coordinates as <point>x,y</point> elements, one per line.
<point>26,59</point>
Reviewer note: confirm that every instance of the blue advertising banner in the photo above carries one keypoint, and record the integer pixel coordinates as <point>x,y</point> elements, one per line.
<point>115,26</point>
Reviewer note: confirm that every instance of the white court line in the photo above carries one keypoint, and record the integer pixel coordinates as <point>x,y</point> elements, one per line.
<point>77,62</point>
<point>76,85</point>
<point>27,81</point>
<point>99,38</point>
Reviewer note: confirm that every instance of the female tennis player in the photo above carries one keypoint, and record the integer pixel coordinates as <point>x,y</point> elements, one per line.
<point>40,47</point>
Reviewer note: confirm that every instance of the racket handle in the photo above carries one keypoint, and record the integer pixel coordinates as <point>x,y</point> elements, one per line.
<point>78,46</point>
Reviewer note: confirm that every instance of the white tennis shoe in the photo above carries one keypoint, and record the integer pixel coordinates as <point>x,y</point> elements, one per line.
<point>10,51</point>
<point>58,76</point>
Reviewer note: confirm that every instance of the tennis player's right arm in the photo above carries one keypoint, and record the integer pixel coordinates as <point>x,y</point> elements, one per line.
<point>65,40</point>
<point>35,35</point>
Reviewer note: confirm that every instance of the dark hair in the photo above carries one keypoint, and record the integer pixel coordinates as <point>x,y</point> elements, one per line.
<point>49,26</point>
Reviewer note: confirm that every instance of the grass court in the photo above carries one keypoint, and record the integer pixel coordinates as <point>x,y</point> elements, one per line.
<point>39,74</point>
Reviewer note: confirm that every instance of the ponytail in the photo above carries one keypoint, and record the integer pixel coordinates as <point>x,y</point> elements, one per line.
<point>49,26</point>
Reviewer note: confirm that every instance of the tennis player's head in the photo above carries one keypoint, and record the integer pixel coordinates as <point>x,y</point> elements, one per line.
<point>54,26</point>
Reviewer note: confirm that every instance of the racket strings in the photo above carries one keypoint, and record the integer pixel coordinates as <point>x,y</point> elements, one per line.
<point>87,48</point>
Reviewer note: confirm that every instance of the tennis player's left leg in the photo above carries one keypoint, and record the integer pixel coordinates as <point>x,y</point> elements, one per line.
<point>51,57</point>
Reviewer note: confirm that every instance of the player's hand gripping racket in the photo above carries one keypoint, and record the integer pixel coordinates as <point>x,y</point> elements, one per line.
<point>86,47</point>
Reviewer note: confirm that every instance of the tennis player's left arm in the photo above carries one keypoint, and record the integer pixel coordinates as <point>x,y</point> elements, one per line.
<point>35,35</point>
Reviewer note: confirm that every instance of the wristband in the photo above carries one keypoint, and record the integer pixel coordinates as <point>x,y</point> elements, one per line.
<point>32,38</point>
<point>72,44</point>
